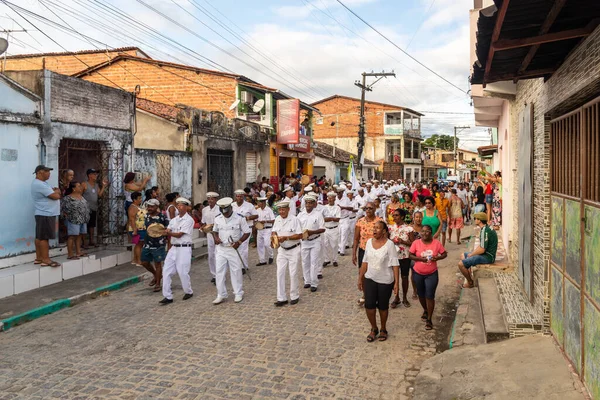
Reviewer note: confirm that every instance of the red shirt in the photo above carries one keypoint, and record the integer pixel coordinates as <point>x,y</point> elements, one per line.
<point>420,249</point>
<point>488,188</point>
<point>424,192</point>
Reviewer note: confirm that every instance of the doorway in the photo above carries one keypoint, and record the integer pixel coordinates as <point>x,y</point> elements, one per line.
<point>220,172</point>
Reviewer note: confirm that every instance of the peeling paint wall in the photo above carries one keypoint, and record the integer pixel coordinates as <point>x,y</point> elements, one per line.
<point>179,170</point>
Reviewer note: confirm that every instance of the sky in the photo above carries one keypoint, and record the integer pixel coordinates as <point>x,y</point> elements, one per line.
<point>310,49</point>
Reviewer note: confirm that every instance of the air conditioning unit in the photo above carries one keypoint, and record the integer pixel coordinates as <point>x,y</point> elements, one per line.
<point>246,97</point>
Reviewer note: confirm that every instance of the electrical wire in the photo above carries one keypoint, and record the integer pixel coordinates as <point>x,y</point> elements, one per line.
<point>420,24</point>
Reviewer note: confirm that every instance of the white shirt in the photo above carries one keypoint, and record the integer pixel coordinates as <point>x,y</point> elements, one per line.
<point>352,203</point>
<point>311,221</point>
<point>343,202</point>
<point>331,212</point>
<point>245,210</point>
<point>233,227</point>
<point>292,201</point>
<point>209,214</point>
<point>265,214</point>
<point>378,191</point>
<point>380,262</point>
<point>183,224</point>
<point>360,203</point>
<point>463,195</point>
<point>287,227</point>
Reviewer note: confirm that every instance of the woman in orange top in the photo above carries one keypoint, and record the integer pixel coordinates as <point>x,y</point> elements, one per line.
<point>393,206</point>
<point>362,233</point>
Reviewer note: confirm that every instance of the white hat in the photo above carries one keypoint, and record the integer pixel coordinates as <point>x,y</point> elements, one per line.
<point>335,186</point>
<point>375,181</point>
<point>287,189</point>
<point>341,189</point>
<point>310,198</point>
<point>261,199</point>
<point>369,184</point>
<point>361,189</point>
<point>239,191</point>
<point>183,200</point>
<point>350,192</point>
<point>224,202</point>
<point>331,194</point>
<point>153,202</point>
<point>283,203</point>
<point>308,188</point>
<point>212,194</point>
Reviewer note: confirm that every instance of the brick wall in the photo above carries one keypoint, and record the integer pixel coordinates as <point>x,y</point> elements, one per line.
<point>66,64</point>
<point>170,85</point>
<point>348,120</point>
<point>77,101</point>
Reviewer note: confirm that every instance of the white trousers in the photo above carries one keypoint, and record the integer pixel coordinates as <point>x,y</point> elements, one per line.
<point>287,260</point>
<point>351,226</point>
<point>228,258</point>
<point>243,249</point>
<point>311,262</point>
<point>344,232</point>
<point>179,260</point>
<point>331,242</point>
<point>263,244</point>
<point>211,255</point>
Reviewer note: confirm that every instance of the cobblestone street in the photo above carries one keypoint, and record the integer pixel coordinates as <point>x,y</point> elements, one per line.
<point>124,345</point>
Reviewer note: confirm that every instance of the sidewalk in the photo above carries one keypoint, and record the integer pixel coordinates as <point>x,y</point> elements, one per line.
<point>530,367</point>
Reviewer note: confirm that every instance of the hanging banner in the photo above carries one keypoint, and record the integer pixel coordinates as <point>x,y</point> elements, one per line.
<point>288,121</point>
<point>303,144</point>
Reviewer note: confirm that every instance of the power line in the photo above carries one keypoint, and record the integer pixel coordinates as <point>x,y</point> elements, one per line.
<point>420,24</point>
<point>402,50</point>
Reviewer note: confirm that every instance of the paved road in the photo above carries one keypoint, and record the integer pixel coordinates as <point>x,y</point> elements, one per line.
<point>126,346</point>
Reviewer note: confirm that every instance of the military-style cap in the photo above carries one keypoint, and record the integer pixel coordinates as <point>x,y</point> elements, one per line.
<point>261,199</point>
<point>283,203</point>
<point>369,184</point>
<point>154,202</point>
<point>341,189</point>
<point>287,189</point>
<point>239,191</point>
<point>183,200</point>
<point>212,194</point>
<point>331,194</point>
<point>224,202</point>
<point>308,188</point>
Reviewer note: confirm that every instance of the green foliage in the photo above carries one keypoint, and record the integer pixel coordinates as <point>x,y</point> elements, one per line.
<point>442,142</point>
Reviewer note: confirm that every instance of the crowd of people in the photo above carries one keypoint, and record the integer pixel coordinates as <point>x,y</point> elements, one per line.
<point>395,233</point>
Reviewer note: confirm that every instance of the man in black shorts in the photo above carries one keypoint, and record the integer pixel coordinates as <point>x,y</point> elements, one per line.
<point>46,201</point>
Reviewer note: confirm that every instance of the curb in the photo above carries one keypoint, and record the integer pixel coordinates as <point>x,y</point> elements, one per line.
<point>60,304</point>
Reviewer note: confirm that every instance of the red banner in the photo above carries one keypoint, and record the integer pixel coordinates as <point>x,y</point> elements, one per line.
<point>288,121</point>
<point>303,145</point>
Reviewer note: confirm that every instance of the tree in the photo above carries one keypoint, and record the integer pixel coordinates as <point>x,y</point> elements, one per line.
<point>442,142</point>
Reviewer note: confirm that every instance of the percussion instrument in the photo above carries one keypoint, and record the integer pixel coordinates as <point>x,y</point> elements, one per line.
<point>305,180</point>
<point>275,241</point>
<point>305,234</point>
<point>259,225</point>
<point>207,228</point>
<point>156,230</point>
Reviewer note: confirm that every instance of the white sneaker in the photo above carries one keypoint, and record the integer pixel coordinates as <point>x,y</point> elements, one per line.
<point>218,300</point>
<point>238,299</point>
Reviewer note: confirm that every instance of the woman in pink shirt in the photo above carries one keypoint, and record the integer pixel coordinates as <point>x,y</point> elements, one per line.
<point>426,252</point>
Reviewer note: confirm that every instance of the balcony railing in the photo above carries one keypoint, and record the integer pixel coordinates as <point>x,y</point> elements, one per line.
<point>398,130</point>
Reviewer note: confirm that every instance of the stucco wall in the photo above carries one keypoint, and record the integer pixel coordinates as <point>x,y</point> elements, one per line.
<point>157,133</point>
<point>180,169</point>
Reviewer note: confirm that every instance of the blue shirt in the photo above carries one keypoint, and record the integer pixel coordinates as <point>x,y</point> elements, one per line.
<point>45,206</point>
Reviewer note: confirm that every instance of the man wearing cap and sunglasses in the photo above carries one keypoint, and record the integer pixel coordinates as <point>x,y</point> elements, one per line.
<point>208,218</point>
<point>229,232</point>
<point>46,200</point>
<point>246,210</point>
<point>179,257</point>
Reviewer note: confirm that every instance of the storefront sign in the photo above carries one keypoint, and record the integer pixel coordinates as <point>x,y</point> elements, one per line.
<point>288,117</point>
<point>302,146</point>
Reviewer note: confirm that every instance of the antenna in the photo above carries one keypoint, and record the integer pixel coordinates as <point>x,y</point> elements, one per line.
<point>259,105</point>
<point>3,45</point>
<point>234,105</point>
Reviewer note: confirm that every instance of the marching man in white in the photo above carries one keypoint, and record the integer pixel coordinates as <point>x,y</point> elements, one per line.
<point>208,218</point>
<point>353,210</point>
<point>288,231</point>
<point>246,210</point>
<point>179,257</point>
<point>229,232</point>
<point>331,216</point>
<point>345,205</point>
<point>313,224</point>
<point>266,218</point>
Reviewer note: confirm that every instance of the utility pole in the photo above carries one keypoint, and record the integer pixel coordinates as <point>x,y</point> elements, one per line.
<point>8,32</point>
<point>363,89</point>
<point>456,129</point>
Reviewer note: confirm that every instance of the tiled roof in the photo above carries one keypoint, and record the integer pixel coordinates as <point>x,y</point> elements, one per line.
<point>337,96</point>
<point>326,150</point>
<point>159,109</point>
<point>68,53</point>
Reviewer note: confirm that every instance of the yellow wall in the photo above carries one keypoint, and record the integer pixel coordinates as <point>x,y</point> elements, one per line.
<point>157,133</point>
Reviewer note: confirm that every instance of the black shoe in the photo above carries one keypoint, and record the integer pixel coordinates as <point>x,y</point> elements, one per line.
<point>326,263</point>
<point>295,301</point>
<point>213,281</point>
<point>261,264</point>
<point>187,296</point>
<point>320,276</point>
<point>280,303</point>
<point>313,289</point>
<point>270,261</point>
<point>335,264</point>
<point>244,271</point>
<point>341,254</point>
<point>165,301</point>
<point>306,286</point>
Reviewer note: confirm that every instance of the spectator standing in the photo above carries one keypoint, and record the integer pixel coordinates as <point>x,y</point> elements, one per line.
<point>76,213</point>
<point>456,217</point>
<point>130,186</point>
<point>403,235</point>
<point>479,200</point>
<point>91,192</point>
<point>137,227</point>
<point>421,191</point>
<point>66,177</point>
<point>46,201</point>
<point>362,233</point>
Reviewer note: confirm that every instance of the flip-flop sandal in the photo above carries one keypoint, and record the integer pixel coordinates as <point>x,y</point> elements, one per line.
<point>383,335</point>
<point>152,282</point>
<point>372,335</point>
<point>73,258</point>
<point>428,325</point>
<point>406,304</point>
<point>157,289</point>
<point>424,316</point>
<point>52,264</point>
<point>394,304</point>
<point>37,262</point>
<point>468,285</point>
<point>82,255</point>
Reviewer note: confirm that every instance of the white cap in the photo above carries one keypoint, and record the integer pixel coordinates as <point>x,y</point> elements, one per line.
<point>261,199</point>
<point>331,194</point>
<point>308,188</point>
<point>288,189</point>
<point>212,194</point>
<point>341,189</point>
<point>224,202</point>
<point>369,184</point>
<point>153,202</point>
<point>361,189</point>
<point>239,191</point>
<point>350,192</point>
<point>283,203</point>
<point>182,200</point>
<point>335,186</point>
<point>310,198</point>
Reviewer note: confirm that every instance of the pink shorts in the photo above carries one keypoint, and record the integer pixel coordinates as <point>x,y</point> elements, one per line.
<point>457,223</point>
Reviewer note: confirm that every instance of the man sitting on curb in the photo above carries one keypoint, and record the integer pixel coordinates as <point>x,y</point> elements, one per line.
<point>485,253</point>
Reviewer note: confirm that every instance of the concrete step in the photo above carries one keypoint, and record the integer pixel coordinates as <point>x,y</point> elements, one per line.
<point>199,242</point>
<point>468,326</point>
<point>29,276</point>
<point>492,310</point>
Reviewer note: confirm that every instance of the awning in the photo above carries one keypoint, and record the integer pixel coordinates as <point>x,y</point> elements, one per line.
<point>288,154</point>
<point>485,151</point>
<point>519,39</point>
<point>307,156</point>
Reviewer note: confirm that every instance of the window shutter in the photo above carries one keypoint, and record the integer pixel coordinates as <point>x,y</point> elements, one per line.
<point>251,172</point>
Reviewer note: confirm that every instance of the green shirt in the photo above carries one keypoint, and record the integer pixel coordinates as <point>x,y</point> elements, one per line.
<point>488,239</point>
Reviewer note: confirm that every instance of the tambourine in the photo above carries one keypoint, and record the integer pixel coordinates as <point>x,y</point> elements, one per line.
<point>207,228</point>
<point>275,241</point>
<point>305,234</point>
<point>305,180</point>
<point>259,225</point>
<point>156,230</point>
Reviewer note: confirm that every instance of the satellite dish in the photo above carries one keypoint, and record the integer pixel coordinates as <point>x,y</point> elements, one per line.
<point>3,45</point>
<point>234,105</point>
<point>259,105</point>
